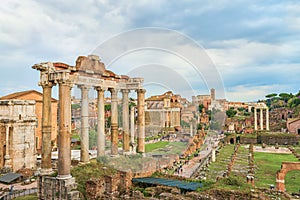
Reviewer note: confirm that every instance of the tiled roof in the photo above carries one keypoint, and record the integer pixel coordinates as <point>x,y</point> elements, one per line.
<point>17,95</point>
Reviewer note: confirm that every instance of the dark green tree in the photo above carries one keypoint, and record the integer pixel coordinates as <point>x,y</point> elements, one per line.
<point>231,113</point>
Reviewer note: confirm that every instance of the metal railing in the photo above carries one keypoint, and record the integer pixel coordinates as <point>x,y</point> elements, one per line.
<point>19,193</point>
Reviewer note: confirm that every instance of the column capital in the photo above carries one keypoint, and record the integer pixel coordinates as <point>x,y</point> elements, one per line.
<point>125,91</point>
<point>141,91</point>
<point>100,89</point>
<point>44,84</point>
<point>113,90</point>
<point>82,87</point>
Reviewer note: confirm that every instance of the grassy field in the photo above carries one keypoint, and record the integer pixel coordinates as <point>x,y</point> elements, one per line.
<point>268,164</point>
<point>163,147</point>
<point>297,149</point>
<point>222,160</point>
<point>29,197</point>
<point>153,146</point>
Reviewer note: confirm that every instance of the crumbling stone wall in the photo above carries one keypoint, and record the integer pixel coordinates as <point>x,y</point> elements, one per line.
<point>109,185</point>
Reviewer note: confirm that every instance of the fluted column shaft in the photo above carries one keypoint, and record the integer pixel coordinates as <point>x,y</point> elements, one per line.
<point>255,119</point>
<point>46,129</point>
<point>101,123</point>
<point>84,150</point>
<point>141,121</point>
<point>125,120</point>
<point>114,122</point>
<point>64,143</point>
<point>261,119</point>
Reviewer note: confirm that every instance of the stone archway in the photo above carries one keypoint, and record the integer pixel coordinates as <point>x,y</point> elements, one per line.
<point>285,168</point>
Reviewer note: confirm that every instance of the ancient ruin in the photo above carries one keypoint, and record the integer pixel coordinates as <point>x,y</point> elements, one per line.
<point>88,73</point>
<point>17,126</point>
<point>285,168</point>
<point>261,107</point>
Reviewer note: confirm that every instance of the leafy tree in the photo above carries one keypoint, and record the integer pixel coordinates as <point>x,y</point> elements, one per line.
<point>199,126</point>
<point>271,95</point>
<point>107,107</point>
<point>285,96</point>
<point>200,107</point>
<point>293,102</point>
<point>231,113</point>
<point>241,109</point>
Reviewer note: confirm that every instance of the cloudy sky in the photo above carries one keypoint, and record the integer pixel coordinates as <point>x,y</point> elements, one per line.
<point>245,49</point>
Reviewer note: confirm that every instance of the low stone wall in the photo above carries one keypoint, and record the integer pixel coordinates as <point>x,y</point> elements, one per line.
<point>245,140</point>
<point>272,139</point>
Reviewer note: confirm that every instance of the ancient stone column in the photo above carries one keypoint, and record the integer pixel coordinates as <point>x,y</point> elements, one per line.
<point>267,119</point>
<point>84,134</point>
<point>114,122</point>
<point>46,129</point>
<point>261,122</point>
<point>141,120</point>
<point>255,119</point>
<point>132,129</point>
<point>64,141</point>
<point>101,123</point>
<point>125,120</point>
<point>7,159</point>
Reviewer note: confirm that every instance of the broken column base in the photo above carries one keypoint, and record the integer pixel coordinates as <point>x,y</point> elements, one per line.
<point>57,189</point>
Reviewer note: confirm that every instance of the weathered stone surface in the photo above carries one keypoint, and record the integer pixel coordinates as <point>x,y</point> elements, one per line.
<point>57,189</point>
<point>17,122</point>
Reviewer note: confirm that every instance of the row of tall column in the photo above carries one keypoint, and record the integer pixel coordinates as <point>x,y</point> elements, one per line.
<point>261,118</point>
<point>64,149</point>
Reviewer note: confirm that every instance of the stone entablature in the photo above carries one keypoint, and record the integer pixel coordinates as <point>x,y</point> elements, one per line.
<point>17,122</point>
<point>89,73</point>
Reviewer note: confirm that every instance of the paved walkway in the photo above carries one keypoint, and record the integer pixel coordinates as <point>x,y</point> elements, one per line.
<point>193,164</point>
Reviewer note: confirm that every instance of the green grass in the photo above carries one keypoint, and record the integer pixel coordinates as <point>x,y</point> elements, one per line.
<point>166,147</point>
<point>28,197</point>
<point>297,149</point>
<point>292,181</point>
<point>222,160</point>
<point>267,166</point>
<point>153,146</point>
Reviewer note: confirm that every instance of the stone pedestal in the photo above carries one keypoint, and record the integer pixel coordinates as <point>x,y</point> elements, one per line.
<point>213,155</point>
<point>57,189</point>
